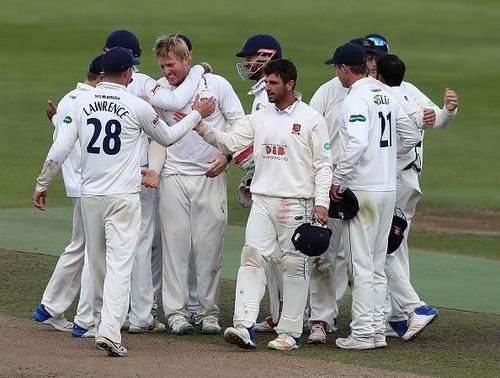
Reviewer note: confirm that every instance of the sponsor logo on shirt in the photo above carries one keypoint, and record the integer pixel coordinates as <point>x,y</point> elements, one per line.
<point>357,117</point>
<point>275,152</point>
<point>296,129</point>
<point>67,119</point>
<point>327,146</point>
<point>376,90</point>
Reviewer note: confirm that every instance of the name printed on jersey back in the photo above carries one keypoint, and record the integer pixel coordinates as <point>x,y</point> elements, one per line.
<point>381,99</point>
<point>106,106</point>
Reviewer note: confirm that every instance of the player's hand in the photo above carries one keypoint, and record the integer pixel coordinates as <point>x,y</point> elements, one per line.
<point>205,107</point>
<point>219,164</point>
<point>51,110</point>
<point>335,196</point>
<point>429,117</point>
<point>208,68</point>
<point>40,200</point>
<point>144,97</point>
<point>150,178</point>
<point>179,116</point>
<point>320,213</point>
<point>450,99</point>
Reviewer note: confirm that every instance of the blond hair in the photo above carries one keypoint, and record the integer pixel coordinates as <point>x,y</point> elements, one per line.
<point>172,44</point>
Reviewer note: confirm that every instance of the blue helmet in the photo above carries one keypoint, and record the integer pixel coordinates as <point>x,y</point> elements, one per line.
<point>265,48</point>
<point>126,39</point>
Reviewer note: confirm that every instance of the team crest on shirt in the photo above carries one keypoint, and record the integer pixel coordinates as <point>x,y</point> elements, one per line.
<point>275,152</point>
<point>296,128</point>
<point>257,107</point>
<point>157,86</point>
<point>156,120</point>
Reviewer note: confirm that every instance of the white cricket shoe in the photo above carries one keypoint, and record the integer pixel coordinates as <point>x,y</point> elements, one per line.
<point>240,336</point>
<point>422,316</point>
<point>154,327</point>
<point>113,349</point>
<point>79,331</point>
<point>318,334</point>
<point>267,325</point>
<point>284,342</point>
<point>353,343</point>
<point>41,315</point>
<point>210,326</point>
<point>181,326</point>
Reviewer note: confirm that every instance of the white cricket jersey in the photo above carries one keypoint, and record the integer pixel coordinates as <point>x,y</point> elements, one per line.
<point>328,101</point>
<point>191,156</point>
<point>443,120</point>
<point>291,150</point>
<point>72,166</point>
<point>369,118</point>
<point>258,90</point>
<point>108,122</point>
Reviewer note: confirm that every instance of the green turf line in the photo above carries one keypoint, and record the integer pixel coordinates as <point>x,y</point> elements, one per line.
<point>444,280</point>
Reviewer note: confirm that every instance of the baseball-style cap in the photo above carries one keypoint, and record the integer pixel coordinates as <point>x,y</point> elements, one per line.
<point>380,42</point>
<point>348,54</point>
<point>258,42</point>
<point>118,59</point>
<point>347,209</point>
<point>126,39</point>
<point>368,45</point>
<point>95,66</point>
<point>311,240</point>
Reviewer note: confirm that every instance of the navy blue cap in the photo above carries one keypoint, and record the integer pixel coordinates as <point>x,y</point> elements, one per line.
<point>368,45</point>
<point>186,40</point>
<point>347,208</point>
<point>260,42</point>
<point>126,39</point>
<point>348,54</point>
<point>311,240</point>
<point>380,42</point>
<point>95,66</point>
<point>118,59</point>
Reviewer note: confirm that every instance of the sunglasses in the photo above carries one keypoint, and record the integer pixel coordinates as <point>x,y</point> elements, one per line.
<point>379,42</point>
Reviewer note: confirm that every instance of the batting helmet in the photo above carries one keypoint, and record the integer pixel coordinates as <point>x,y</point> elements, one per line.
<point>311,240</point>
<point>126,39</point>
<point>265,48</point>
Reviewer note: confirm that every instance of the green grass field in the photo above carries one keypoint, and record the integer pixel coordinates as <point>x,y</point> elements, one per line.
<point>46,47</point>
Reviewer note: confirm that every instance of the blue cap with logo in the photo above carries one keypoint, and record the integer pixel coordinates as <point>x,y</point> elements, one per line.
<point>258,42</point>
<point>124,38</point>
<point>348,54</point>
<point>95,66</point>
<point>118,59</point>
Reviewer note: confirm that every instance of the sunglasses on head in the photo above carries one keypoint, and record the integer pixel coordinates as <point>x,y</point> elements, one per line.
<point>379,41</point>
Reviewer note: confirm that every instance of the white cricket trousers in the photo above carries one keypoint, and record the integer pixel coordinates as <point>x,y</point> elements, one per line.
<point>193,213</point>
<point>270,226</point>
<point>141,281</point>
<point>365,238</point>
<point>112,225</point>
<point>403,299</point>
<point>323,286</point>
<point>72,273</point>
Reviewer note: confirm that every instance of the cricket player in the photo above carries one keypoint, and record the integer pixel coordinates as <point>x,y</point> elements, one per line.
<point>257,51</point>
<point>140,317</point>
<point>407,314</point>
<point>107,122</point>
<point>367,166</point>
<point>193,199</point>
<point>72,270</point>
<point>290,185</point>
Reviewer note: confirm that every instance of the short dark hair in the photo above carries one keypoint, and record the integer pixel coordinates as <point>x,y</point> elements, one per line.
<point>284,68</point>
<point>392,69</point>
<point>359,69</point>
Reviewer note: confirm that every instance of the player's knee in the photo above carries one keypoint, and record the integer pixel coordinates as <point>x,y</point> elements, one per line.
<point>294,265</point>
<point>250,256</point>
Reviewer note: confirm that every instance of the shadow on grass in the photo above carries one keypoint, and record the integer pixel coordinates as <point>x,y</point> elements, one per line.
<point>457,344</point>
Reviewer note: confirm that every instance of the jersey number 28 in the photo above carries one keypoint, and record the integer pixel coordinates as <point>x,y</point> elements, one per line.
<point>111,142</point>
